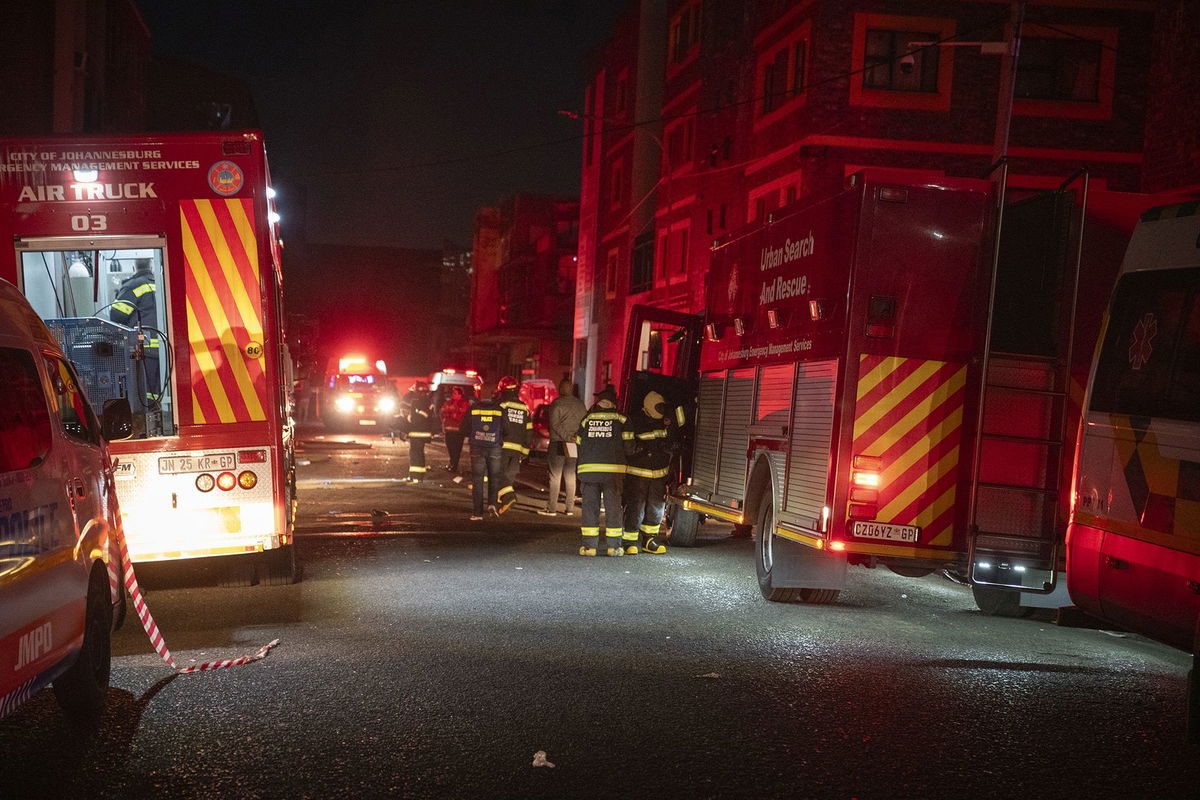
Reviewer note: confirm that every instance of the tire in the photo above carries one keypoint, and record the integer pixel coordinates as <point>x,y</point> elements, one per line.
<point>819,597</point>
<point>82,689</point>
<point>764,559</point>
<point>910,572</point>
<point>236,572</point>
<point>278,566</point>
<point>685,527</point>
<point>999,602</point>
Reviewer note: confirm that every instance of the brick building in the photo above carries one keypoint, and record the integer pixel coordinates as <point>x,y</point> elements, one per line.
<point>523,287</point>
<point>703,115</point>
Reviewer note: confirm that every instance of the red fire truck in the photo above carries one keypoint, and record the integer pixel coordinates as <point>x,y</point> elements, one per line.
<point>155,259</point>
<point>867,394</point>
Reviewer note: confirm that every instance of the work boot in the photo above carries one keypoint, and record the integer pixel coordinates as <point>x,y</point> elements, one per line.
<point>631,547</point>
<point>653,547</point>
<point>587,551</point>
<point>616,551</point>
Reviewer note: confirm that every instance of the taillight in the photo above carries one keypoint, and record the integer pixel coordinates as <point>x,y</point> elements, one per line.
<point>247,479</point>
<point>865,480</point>
<point>205,482</point>
<point>865,472</point>
<point>226,481</point>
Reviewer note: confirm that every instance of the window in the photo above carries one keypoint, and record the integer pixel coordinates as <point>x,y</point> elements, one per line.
<point>782,74</point>
<point>685,33</point>
<point>881,80</point>
<point>641,273</point>
<point>73,409</point>
<point>1150,363</point>
<point>25,434</point>
<point>1066,71</point>
<point>1059,69</point>
<point>95,301</point>
<point>769,196</point>
<point>610,275</point>
<point>884,51</point>
<point>680,139</point>
<point>618,183</point>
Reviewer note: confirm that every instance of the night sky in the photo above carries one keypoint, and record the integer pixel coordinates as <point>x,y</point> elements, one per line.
<point>388,111</point>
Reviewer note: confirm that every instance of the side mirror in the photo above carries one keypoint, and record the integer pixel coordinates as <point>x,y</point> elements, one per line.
<point>116,421</point>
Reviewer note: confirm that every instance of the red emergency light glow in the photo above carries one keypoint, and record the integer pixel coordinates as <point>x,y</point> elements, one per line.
<point>348,363</point>
<point>449,371</point>
<point>471,373</point>
<point>837,546</point>
<point>226,481</point>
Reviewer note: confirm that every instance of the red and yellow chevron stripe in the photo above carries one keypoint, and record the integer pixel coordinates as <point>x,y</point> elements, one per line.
<point>224,310</point>
<point>909,414</point>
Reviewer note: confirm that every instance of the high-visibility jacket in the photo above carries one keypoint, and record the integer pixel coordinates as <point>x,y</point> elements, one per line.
<point>602,441</point>
<point>653,441</point>
<point>483,425</point>
<point>419,414</point>
<point>518,426</point>
<point>137,304</point>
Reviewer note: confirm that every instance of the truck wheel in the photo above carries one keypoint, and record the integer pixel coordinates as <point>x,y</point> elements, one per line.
<point>82,688</point>
<point>279,566</point>
<point>685,527</point>
<point>764,557</point>
<point>236,571</point>
<point>999,602</point>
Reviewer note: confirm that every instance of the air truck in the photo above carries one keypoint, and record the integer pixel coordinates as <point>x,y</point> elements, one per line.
<point>869,390</point>
<point>155,261</point>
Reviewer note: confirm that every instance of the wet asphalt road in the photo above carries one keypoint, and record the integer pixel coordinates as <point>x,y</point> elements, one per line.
<point>426,656</point>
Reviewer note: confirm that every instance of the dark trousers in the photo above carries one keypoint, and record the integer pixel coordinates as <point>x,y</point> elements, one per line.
<point>645,499</point>
<point>597,490</point>
<point>454,445</point>
<point>416,456</point>
<point>511,466</point>
<point>485,467</point>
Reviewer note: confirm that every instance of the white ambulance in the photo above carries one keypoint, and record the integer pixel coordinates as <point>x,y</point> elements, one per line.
<point>58,521</point>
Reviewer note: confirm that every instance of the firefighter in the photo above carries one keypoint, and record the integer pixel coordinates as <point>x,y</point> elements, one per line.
<point>137,306</point>
<point>483,426</point>
<point>518,428</point>
<point>602,441</point>
<point>419,423</point>
<point>645,491</point>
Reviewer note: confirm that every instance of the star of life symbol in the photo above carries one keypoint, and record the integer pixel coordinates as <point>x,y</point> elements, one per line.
<point>1143,333</point>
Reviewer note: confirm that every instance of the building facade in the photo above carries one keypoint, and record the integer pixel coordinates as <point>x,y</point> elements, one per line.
<point>523,268</point>
<point>752,105</point>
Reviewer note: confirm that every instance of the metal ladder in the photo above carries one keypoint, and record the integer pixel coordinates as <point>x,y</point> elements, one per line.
<point>1022,467</point>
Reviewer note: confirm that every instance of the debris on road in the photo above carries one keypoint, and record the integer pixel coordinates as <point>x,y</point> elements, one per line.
<point>539,760</point>
<point>709,675</point>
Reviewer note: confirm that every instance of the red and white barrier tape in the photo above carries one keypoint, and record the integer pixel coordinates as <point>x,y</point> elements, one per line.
<point>148,624</point>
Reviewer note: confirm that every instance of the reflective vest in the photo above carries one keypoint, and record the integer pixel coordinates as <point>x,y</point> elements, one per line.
<point>419,415</point>
<point>601,439</point>
<point>484,425</point>
<point>518,426</point>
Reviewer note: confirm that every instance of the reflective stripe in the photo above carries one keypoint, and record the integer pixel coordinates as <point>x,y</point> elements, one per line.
<point>590,531</point>
<point>420,435</point>
<point>642,472</point>
<point>607,415</point>
<point>416,469</point>
<point>505,491</point>
<point>658,434</point>
<point>151,343</point>
<point>123,307</point>
<point>514,446</point>
<point>528,426</point>
<point>616,533</point>
<point>514,404</point>
<point>141,290</point>
<point>630,536</point>
<point>614,468</point>
<point>680,417</point>
<point>650,529</point>
<point>486,412</point>
<point>627,435</point>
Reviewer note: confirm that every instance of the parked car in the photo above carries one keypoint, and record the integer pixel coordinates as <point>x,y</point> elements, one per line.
<point>59,521</point>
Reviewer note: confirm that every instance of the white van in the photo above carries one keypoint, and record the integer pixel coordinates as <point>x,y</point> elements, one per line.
<point>58,521</point>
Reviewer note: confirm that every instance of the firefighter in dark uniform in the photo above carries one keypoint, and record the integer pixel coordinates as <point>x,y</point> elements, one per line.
<point>483,427</point>
<point>420,423</point>
<point>518,428</point>
<point>137,306</point>
<point>645,491</point>
<point>602,441</point>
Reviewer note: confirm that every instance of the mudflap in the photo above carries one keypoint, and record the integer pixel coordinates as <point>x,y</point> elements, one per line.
<point>798,566</point>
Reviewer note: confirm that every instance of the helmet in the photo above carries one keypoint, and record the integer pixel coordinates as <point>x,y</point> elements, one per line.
<point>506,383</point>
<point>654,405</point>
